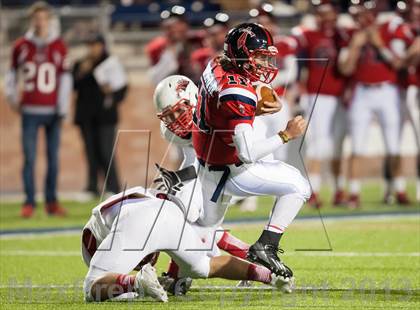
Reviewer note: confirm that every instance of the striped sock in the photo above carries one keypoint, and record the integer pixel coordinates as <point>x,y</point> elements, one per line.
<point>126,282</point>
<point>258,273</point>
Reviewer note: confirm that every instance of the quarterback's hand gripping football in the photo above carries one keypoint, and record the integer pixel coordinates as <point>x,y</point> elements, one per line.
<point>268,100</point>
<point>294,129</point>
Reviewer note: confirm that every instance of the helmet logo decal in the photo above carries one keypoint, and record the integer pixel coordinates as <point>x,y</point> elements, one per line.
<point>242,39</point>
<point>181,86</point>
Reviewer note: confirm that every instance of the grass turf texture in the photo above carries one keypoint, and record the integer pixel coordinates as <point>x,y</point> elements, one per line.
<point>371,198</point>
<point>384,281</point>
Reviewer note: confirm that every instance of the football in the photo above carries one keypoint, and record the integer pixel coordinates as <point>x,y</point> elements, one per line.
<point>264,93</point>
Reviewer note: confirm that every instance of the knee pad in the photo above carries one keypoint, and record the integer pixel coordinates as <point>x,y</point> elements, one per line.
<point>305,189</point>
<point>301,184</point>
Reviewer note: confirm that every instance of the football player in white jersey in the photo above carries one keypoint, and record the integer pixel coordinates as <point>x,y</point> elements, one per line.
<point>135,224</point>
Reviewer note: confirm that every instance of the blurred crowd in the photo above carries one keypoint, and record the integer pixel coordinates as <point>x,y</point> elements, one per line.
<point>340,74</point>
<point>355,72</point>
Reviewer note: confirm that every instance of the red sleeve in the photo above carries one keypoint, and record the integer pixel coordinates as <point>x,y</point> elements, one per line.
<point>65,63</point>
<point>155,48</point>
<point>238,105</point>
<point>404,33</point>
<point>15,54</point>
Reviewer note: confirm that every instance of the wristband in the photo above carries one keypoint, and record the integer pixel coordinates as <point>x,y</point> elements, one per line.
<point>284,136</point>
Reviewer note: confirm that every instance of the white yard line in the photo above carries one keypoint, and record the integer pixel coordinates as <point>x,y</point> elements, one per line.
<point>295,253</point>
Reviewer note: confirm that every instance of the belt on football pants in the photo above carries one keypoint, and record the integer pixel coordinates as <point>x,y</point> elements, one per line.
<point>223,179</point>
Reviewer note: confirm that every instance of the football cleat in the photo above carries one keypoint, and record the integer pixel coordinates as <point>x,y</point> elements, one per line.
<point>286,285</point>
<point>314,201</point>
<point>147,284</point>
<point>389,198</point>
<point>339,198</point>
<point>27,211</point>
<point>176,287</point>
<point>402,199</point>
<point>353,202</point>
<point>54,209</point>
<point>266,255</point>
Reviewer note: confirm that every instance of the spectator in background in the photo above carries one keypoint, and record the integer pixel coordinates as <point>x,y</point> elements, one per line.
<point>41,56</point>
<point>216,30</point>
<point>325,88</point>
<point>100,84</point>
<point>171,53</point>
<point>372,59</point>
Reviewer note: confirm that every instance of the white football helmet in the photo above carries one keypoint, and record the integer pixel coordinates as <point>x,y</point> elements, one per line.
<point>175,98</point>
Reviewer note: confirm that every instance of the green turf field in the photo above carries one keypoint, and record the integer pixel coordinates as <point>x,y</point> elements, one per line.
<point>373,263</point>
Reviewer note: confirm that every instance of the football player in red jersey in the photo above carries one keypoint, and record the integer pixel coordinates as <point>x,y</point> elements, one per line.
<point>407,31</point>
<point>226,148</point>
<point>40,59</point>
<point>372,59</point>
<point>324,86</point>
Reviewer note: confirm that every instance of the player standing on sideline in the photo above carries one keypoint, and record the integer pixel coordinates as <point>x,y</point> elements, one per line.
<point>40,58</point>
<point>325,87</point>
<point>225,144</point>
<point>372,58</point>
<point>171,53</point>
<point>407,32</point>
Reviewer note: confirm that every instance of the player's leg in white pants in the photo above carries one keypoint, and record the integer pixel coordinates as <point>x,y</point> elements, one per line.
<point>389,113</point>
<point>412,110</point>
<point>263,178</point>
<point>142,229</point>
<point>324,130</point>
<point>266,126</point>
<point>359,117</point>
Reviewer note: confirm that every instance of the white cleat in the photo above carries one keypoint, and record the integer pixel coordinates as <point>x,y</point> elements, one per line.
<point>286,285</point>
<point>147,284</point>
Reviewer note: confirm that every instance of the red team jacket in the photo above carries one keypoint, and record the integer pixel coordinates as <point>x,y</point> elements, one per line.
<point>225,100</point>
<point>41,67</point>
<point>316,44</point>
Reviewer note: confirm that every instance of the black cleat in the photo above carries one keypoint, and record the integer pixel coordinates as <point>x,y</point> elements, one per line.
<point>266,255</point>
<point>176,287</point>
